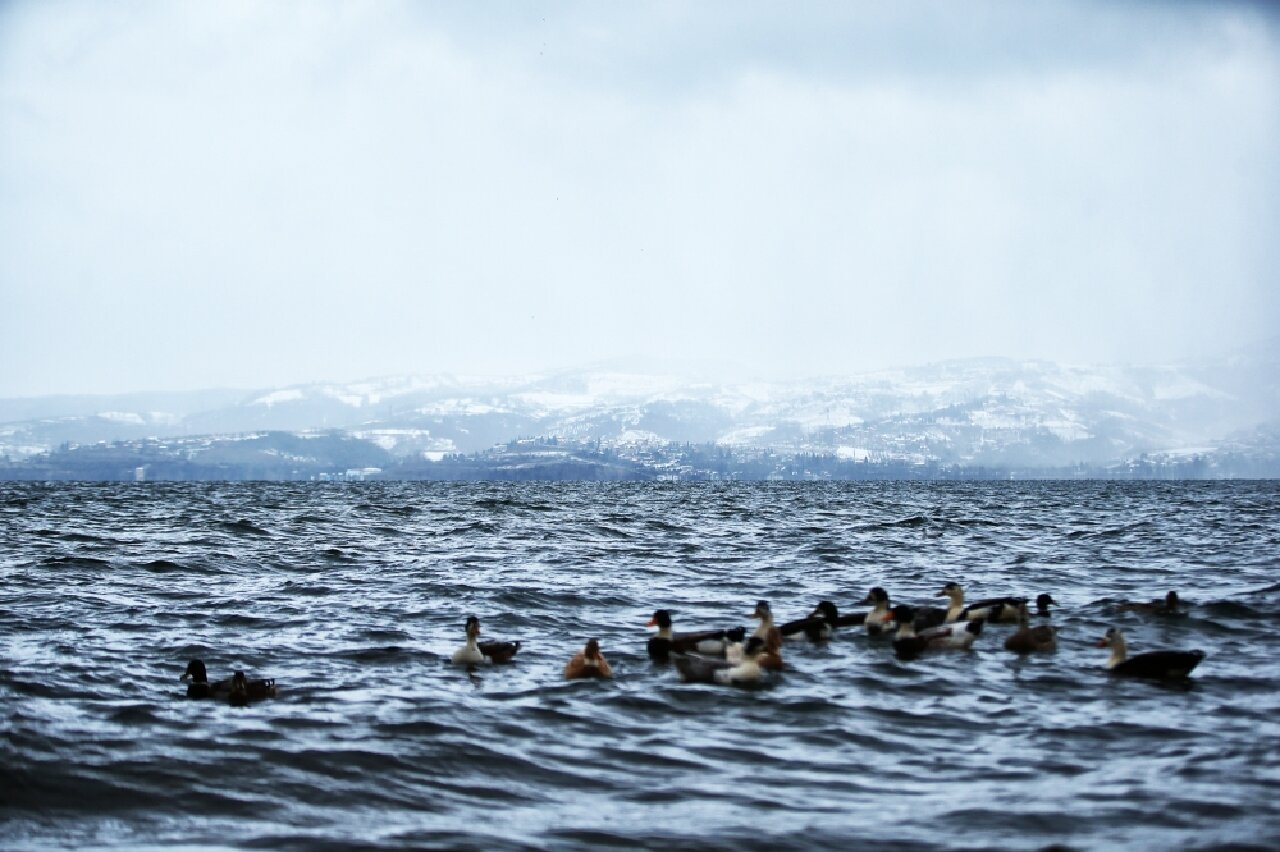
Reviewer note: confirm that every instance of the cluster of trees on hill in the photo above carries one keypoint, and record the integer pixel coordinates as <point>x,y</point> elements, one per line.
<point>283,456</point>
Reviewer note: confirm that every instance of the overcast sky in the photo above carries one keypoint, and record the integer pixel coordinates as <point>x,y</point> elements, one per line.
<point>254,194</point>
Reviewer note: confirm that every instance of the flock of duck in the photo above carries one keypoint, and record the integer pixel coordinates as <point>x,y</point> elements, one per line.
<point>730,656</point>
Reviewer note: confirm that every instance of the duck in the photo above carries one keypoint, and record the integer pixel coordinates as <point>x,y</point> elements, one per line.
<point>243,690</point>
<point>818,626</point>
<point>1043,601</point>
<point>1029,640</point>
<point>199,687</point>
<point>935,616</point>
<point>697,669</point>
<point>1169,605</point>
<point>1160,665</point>
<point>1002,610</point>
<point>877,619</point>
<point>992,609</point>
<point>588,662</point>
<point>770,655</point>
<point>473,652</point>
<point>908,644</point>
<point>666,643</point>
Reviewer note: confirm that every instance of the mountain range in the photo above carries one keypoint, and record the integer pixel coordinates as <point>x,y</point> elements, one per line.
<point>989,411</point>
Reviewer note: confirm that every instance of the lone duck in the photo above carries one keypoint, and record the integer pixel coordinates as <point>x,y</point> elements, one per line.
<point>243,690</point>
<point>199,686</point>
<point>1169,605</point>
<point>588,662</point>
<point>666,643</point>
<point>908,644</point>
<point>695,669</point>
<point>1029,640</point>
<point>1161,665</point>
<point>473,652</point>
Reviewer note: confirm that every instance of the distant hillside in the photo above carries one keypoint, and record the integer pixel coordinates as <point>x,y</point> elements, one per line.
<point>973,412</point>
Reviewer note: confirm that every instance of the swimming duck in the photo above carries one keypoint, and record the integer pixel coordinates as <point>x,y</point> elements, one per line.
<point>877,620</point>
<point>934,616</point>
<point>953,612</point>
<point>1043,600</point>
<point>696,669</point>
<point>1161,665</point>
<point>1169,605</point>
<point>1027,639</point>
<point>992,609</point>
<point>766,632</point>
<point>199,687</point>
<point>588,662</point>
<point>243,690</point>
<point>666,643</point>
<point>817,626</point>
<point>908,644</point>
<point>473,652</point>
<point>997,610</point>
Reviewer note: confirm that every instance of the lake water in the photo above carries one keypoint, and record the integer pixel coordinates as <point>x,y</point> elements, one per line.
<point>353,597</point>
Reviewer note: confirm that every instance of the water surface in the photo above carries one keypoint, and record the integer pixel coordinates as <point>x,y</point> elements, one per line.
<point>353,597</point>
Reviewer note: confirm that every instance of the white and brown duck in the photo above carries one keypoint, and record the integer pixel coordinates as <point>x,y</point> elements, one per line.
<point>1159,665</point>
<point>474,652</point>
<point>588,663</point>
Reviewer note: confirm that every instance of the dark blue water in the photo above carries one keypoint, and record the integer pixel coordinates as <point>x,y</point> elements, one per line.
<point>354,597</point>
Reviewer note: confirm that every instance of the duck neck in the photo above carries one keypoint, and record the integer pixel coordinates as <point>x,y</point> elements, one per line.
<point>957,606</point>
<point>665,633</point>
<point>766,624</point>
<point>906,630</point>
<point>1118,652</point>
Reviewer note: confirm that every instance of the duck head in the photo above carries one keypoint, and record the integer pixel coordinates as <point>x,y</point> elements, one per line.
<point>473,626</point>
<point>1112,638</point>
<point>592,651</point>
<point>1171,600</point>
<point>762,611</point>
<point>877,595</point>
<point>903,614</point>
<point>1043,601</point>
<point>661,619</point>
<point>195,672</point>
<point>826,610</point>
<point>953,591</point>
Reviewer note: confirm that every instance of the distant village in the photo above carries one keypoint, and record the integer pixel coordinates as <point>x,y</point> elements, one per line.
<point>336,456</point>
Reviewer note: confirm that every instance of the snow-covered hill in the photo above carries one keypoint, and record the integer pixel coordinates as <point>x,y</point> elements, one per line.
<point>979,411</point>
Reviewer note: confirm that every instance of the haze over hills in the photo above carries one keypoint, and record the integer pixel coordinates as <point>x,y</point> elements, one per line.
<point>991,411</point>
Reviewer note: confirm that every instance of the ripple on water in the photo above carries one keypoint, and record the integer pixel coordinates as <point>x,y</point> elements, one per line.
<point>353,598</point>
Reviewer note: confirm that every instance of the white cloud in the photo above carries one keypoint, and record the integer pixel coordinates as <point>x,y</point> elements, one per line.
<point>252,194</point>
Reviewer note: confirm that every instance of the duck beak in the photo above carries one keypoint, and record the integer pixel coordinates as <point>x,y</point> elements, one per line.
<point>941,594</point>
<point>1102,643</point>
<point>651,623</point>
<point>185,675</point>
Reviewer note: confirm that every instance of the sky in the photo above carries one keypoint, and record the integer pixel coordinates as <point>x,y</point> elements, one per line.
<point>257,194</point>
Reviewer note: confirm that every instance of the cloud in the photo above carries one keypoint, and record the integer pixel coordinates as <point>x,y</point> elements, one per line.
<point>252,194</point>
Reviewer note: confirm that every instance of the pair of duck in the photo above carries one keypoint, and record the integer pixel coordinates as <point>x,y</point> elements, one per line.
<point>957,626</point>
<point>721,656</point>
<point>237,690</point>
<point>587,663</point>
